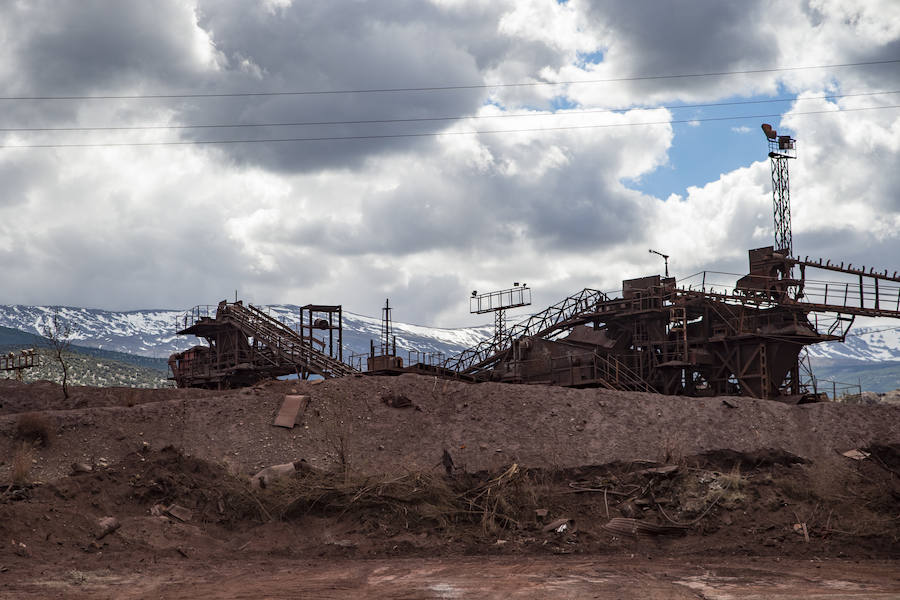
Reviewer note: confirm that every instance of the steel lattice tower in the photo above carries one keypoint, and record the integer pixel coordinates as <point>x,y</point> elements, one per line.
<point>499,325</point>
<point>781,149</point>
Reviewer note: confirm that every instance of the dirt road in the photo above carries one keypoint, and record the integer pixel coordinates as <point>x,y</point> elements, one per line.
<point>486,578</point>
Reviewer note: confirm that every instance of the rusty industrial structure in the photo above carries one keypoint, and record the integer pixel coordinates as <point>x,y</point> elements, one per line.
<point>702,336</point>
<point>246,345</point>
<point>384,356</point>
<point>657,336</point>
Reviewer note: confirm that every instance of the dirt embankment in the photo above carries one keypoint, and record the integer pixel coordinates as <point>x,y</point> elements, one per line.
<point>483,427</point>
<point>460,469</point>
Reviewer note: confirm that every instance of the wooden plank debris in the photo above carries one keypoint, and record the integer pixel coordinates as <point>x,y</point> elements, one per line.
<point>287,415</point>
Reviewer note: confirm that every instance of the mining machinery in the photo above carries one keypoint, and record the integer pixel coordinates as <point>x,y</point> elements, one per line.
<point>246,345</point>
<point>699,339</point>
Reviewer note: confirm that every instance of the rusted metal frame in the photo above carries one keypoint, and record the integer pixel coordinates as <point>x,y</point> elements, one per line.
<point>747,361</point>
<point>490,352</point>
<point>764,382</point>
<point>17,362</point>
<point>330,310</point>
<point>850,310</point>
<point>734,300</point>
<point>725,369</point>
<point>270,343</point>
<point>724,320</point>
<point>781,199</point>
<point>827,266</point>
<point>741,369</point>
<point>673,310</point>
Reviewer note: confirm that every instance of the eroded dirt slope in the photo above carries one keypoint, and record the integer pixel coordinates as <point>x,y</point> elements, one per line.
<point>529,471</point>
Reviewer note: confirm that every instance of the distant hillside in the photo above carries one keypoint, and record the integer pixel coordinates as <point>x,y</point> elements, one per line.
<point>91,370</point>
<point>14,339</point>
<point>878,377</point>
<point>87,366</point>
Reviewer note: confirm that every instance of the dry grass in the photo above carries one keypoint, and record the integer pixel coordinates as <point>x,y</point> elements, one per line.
<point>21,463</point>
<point>731,486</point>
<point>494,503</point>
<point>733,480</point>
<point>35,428</point>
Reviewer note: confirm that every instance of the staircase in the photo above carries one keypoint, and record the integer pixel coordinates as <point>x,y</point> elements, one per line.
<point>282,341</point>
<point>618,376</point>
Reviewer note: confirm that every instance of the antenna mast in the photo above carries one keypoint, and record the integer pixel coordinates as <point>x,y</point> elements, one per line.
<point>781,149</point>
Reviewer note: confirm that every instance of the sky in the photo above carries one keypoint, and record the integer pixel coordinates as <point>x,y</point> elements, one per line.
<point>562,183</point>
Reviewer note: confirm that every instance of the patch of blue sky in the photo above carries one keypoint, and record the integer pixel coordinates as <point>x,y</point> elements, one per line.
<point>703,150</point>
<point>562,103</point>
<point>589,58</point>
<point>490,101</point>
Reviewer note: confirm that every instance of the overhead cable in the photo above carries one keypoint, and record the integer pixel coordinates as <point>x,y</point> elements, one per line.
<point>447,118</point>
<point>438,133</point>
<point>444,87</point>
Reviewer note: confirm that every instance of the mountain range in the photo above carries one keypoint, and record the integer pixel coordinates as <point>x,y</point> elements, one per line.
<point>870,355</point>
<point>152,333</point>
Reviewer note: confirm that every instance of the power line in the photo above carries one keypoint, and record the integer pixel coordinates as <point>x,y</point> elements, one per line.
<point>435,134</point>
<point>426,119</point>
<point>448,87</point>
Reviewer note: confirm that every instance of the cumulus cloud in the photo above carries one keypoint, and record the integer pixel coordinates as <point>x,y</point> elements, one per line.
<point>424,218</point>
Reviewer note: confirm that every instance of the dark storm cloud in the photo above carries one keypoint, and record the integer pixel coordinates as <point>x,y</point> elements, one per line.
<point>89,46</point>
<point>664,38</point>
<point>332,46</point>
<point>106,47</point>
<point>95,47</point>
<point>352,46</point>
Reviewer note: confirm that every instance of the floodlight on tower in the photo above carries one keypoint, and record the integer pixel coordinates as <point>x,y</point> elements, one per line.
<point>781,149</point>
<point>499,302</point>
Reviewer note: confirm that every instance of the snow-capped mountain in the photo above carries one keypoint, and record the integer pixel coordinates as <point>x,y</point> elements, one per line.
<point>862,345</point>
<point>153,332</point>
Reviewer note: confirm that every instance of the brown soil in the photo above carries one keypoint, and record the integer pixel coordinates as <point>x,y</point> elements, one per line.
<point>667,482</point>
